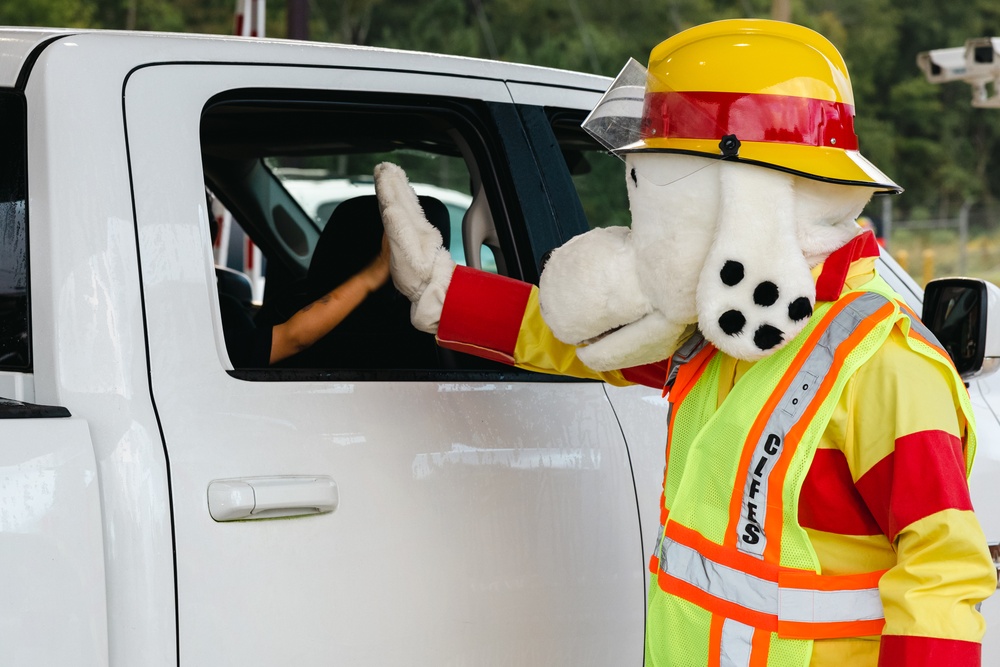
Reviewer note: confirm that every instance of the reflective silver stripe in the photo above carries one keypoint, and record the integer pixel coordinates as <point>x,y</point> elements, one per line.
<point>684,563</point>
<point>809,606</point>
<point>800,393</point>
<point>762,595</point>
<point>685,353</point>
<point>659,542</point>
<point>736,644</point>
<point>922,329</point>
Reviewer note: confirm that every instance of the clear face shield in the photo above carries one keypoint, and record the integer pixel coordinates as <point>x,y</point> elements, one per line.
<point>641,113</point>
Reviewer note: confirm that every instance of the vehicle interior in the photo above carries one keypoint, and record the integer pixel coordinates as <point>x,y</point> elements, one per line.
<point>252,144</point>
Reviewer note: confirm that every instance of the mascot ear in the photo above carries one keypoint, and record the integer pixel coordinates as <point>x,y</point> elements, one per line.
<point>755,291</point>
<point>825,215</point>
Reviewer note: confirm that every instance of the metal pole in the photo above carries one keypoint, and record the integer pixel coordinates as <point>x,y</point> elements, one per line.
<point>887,221</point>
<point>298,19</point>
<point>963,237</point>
<point>781,10</point>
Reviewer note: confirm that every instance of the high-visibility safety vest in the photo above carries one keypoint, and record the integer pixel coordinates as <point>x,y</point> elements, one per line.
<point>737,581</point>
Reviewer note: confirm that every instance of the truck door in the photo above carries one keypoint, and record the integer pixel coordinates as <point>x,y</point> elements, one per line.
<point>588,186</point>
<point>374,510</point>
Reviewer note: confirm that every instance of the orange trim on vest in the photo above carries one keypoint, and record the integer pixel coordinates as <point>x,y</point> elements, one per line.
<point>765,623</point>
<point>689,374</point>
<point>797,630</point>
<point>723,555</point>
<point>746,458</point>
<point>774,521</point>
<point>936,345</point>
<point>695,595</point>
<point>760,646</point>
<point>806,580</point>
<point>715,640</point>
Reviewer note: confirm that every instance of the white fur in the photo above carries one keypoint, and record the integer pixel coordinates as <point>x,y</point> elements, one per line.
<point>826,215</point>
<point>590,286</point>
<point>421,267</point>
<point>755,228</point>
<point>674,205</point>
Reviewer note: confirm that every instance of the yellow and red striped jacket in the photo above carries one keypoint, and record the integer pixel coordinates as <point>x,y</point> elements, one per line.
<point>887,487</point>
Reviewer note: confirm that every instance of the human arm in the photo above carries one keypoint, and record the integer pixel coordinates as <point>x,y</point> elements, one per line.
<point>322,316</point>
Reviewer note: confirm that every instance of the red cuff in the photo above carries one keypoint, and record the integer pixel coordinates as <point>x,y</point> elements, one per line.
<point>482,314</point>
<point>650,375</point>
<point>906,651</point>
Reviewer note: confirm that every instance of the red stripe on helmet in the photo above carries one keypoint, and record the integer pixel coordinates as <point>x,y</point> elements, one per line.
<point>782,119</point>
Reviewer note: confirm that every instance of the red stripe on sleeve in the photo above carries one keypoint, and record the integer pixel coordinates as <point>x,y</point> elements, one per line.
<point>482,314</point>
<point>925,475</point>
<point>650,375</point>
<point>830,502</point>
<point>905,651</point>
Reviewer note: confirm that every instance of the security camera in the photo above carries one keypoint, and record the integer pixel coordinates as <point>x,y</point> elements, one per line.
<point>943,65</point>
<point>982,58</point>
<point>977,63</point>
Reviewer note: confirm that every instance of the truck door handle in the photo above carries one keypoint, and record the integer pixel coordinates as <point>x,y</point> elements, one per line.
<point>271,497</point>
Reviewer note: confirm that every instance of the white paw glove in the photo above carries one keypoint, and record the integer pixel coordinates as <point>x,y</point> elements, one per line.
<point>421,267</point>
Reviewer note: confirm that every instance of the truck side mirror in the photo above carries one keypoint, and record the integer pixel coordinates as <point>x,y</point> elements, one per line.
<point>964,314</point>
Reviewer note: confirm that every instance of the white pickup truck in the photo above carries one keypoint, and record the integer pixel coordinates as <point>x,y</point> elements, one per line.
<point>376,502</point>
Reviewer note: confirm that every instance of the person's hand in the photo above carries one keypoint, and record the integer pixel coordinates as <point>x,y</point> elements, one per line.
<point>376,273</point>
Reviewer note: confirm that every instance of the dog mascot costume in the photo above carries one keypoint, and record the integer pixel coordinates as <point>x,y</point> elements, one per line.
<point>815,506</point>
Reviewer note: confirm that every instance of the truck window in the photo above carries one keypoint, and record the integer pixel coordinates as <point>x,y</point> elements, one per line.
<point>14,331</point>
<point>599,177</point>
<point>294,179</point>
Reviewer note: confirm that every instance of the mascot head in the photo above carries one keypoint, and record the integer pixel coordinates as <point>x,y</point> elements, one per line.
<point>743,174</point>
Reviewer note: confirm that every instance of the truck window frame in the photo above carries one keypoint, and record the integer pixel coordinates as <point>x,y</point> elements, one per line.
<point>486,129</point>
<point>15,309</point>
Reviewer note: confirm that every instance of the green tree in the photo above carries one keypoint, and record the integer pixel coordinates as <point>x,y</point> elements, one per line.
<point>51,13</point>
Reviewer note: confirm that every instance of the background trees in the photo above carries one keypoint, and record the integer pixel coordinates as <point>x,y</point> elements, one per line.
<point>927,137</point>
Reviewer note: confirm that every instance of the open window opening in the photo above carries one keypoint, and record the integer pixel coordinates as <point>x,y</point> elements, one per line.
<point>290,180</point>
<point>15,343</point>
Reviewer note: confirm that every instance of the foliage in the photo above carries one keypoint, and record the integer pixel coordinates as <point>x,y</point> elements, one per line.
<point>927,137</point>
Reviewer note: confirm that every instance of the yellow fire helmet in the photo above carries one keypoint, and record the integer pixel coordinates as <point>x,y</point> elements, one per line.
<point>762,92</point>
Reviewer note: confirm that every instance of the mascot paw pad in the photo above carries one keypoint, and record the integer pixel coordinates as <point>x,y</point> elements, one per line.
<point>768,332</point>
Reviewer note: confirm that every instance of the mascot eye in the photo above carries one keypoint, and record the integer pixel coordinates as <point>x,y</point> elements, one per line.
<point>635,179</point>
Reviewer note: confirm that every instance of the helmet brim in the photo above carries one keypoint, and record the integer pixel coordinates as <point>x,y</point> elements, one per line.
<point>821,163</point>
